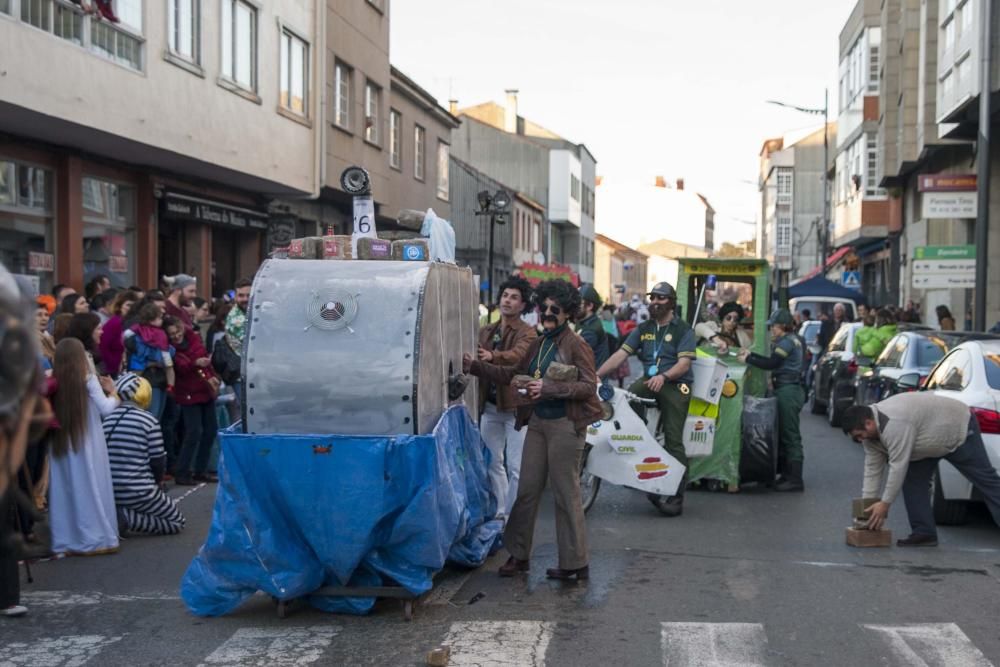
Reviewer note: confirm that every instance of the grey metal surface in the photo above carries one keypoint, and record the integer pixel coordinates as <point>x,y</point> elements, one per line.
<point>308,374</point>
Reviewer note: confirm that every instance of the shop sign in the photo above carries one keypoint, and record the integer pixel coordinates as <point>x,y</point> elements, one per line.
<point>937,205</point>
<point>727,268</point>
<point>118,264</point>
<point>280,232</point>
<point>41,261</point>
<point>536,273</point>
<point>947,183</point>
<point>190,208</point>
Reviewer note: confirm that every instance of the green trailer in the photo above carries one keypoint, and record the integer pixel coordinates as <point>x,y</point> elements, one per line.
<point>743,431</point>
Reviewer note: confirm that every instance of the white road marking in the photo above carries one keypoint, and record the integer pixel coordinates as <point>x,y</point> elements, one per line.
<point>273,647</point>
<point>188,492</point>
<point>930,645</point>
<point>713,644</point>
<point>77,599</point>
<point>499,643</point>
<point>68,651</point>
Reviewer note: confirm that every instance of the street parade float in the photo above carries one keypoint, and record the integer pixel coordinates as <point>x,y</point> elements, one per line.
<point>735,419</point>
<point>358,470</point>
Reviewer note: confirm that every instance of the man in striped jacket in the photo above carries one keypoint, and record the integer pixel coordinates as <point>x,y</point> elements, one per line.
<point>138,461</point>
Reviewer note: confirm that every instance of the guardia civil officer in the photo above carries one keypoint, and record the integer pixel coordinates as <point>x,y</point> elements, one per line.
<point>589,325</point>
<point>785,364</point>
<point>666,346</point>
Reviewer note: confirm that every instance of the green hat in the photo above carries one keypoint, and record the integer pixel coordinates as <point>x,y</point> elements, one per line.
<point>588,293</point>
<point>664,289</point>
<point>780,316</point>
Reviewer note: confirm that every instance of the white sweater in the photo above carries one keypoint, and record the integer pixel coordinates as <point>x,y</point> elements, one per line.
<point>919,426</point>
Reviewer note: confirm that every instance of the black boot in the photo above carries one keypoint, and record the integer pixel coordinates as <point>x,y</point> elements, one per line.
<point>670,505</point>
<point>791,480</point>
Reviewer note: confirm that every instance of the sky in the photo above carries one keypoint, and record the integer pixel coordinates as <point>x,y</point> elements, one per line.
<point>652,87</point>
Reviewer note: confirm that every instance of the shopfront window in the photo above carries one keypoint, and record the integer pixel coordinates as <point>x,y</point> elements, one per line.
<point>26,238</point>
<point>108,231</point>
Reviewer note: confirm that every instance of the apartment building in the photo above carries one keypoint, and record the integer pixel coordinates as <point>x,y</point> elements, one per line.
<point>553,171</point>
<point>149,138</point>
<point>377,118</point>
<point>861,217</point>
<point>619,271</point>
<point>791,183</point>
<point>196,136</point>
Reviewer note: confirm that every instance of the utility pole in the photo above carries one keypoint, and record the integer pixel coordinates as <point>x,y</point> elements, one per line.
<point>983,166</point>
<point>823,238</point>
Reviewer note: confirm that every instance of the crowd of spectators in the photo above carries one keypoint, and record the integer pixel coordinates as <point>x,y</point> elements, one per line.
<point>136,395</point>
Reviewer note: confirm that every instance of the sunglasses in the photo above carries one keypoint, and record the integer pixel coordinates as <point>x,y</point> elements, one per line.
<point>552,308</point>
<point>658,297</point>
<point>731,318</point>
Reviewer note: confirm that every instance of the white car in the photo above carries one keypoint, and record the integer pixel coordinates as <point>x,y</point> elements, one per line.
<point>970,373</point>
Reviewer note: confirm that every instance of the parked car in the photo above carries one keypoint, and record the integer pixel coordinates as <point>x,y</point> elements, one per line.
<point>908,352</point>
<point>833,376</point>
<point>969,373</point>
<point>809,332</point>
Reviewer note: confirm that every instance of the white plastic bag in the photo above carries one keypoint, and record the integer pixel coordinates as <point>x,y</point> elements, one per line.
<point>441,235</point>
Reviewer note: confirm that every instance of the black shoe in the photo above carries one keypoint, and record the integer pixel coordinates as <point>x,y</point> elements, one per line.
<point>667,505</point>
<point>791,480</point>
<point>122,522</point>
<point>918,540</point>
<point>184,480</point>
<point>580,574</point>
<point>513,566</point>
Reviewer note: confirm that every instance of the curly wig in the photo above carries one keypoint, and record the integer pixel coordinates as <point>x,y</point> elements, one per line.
<point>522,286</point>
<point>732,307</point>
<point>560,291</point>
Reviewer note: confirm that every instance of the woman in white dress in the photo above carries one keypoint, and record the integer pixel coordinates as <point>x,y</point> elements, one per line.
<point>81,496</point>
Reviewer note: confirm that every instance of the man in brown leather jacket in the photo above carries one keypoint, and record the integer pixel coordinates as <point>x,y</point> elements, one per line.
<point>504,343</point>
<point>557,413</point>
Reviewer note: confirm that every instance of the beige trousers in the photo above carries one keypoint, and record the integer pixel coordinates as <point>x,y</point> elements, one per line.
<point>552,451</point>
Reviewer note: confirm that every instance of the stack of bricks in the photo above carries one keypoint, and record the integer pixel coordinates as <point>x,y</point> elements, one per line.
<point>858,534</point>
<point>336,247</point>
<point>369,248</point>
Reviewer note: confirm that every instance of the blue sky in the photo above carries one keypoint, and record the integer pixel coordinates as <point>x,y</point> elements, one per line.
<point>652,87</point>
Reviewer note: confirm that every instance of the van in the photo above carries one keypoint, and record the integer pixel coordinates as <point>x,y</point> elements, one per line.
<point>817,305</point>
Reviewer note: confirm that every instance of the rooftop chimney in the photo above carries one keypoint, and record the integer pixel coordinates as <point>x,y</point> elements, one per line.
<point>510,111</point>
<point>453,107</point>
<point>661,182</point>
<point>680,183</point>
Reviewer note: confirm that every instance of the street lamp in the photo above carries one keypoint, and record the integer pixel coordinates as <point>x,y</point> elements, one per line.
<point>825,112</point>
<point>494,205</point>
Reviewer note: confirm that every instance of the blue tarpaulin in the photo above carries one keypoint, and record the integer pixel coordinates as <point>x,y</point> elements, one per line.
<point>297,512</point>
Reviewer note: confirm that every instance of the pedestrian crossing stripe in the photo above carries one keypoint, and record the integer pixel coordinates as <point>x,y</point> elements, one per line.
<point>65,651</point>
<point>931,644</point>
<point>711,644</point>
<point>519,643</point>
<point>273,647</point>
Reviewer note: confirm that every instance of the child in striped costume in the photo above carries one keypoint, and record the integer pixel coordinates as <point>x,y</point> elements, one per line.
<point>138,461</point>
